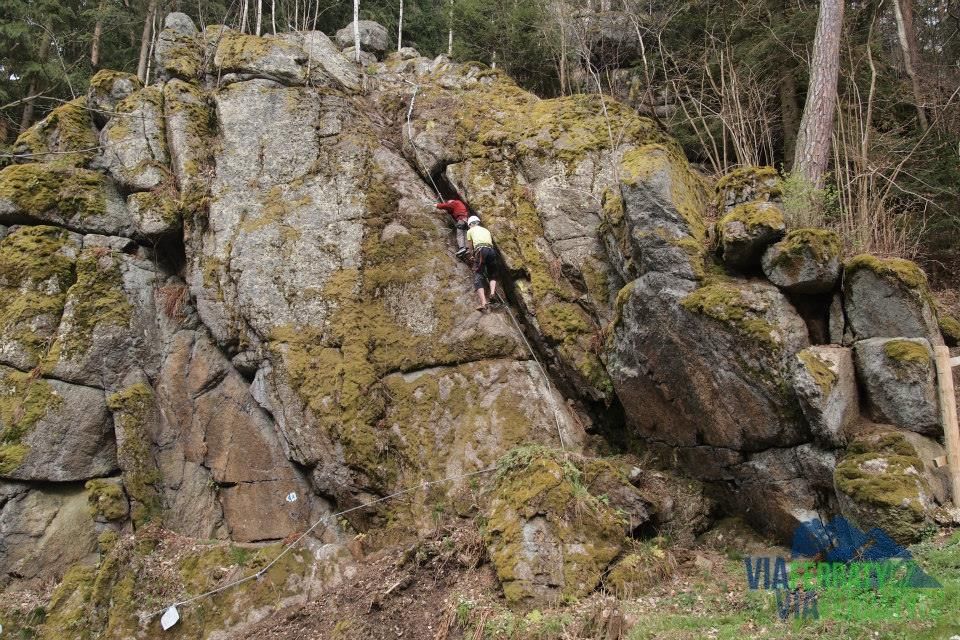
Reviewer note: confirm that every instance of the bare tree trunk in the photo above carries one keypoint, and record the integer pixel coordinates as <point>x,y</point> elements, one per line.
<point>789,116</point>
<point>97,36</point>
<point>903,10</point>
<point>273,16</point>
<point>450,31</point>
<point>816,126</point>
<point>259,16</point>
<point>29,103</point>
<point>356,29</point>
<point>145,40</point>
<point>243,17</point>
<point>400,28</point>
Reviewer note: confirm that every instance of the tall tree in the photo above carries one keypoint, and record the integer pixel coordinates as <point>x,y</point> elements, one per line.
<point>816,126</point>
<point>145,39</point>
<point>903,12</point>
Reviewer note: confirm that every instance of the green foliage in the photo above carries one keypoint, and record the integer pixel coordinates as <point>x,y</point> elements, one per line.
<point>806,206</point>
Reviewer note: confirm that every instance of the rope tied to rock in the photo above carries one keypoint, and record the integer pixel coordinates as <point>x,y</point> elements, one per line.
<point>259,574</point>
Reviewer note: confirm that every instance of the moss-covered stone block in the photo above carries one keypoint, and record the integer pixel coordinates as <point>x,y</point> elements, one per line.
<point>108,500</point>
<point>548,536</point>
<point>806,261</point>
<point>880,483</point>
<point>66,137</point>
<point>36,270</point>
<point>37,189</point>
<point>747,231</point>
<point>888,298</point>
<point>745,184</point>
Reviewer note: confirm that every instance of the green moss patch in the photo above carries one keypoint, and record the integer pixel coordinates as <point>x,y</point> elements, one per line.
<point>763,182</point>
<point>724,301</point>
<point>103,80</point>
<point>24,401</point>
<point>39,189</point>
<point>107,499</point>
<point>132,408</point>
<point>819,370</point>
<point>753,215</point>
<point>950,328</point>
<point>66,137</point>
<point>908,353</point>
<point>896,270</point>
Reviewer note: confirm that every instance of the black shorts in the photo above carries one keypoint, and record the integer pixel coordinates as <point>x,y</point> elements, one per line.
<point>486,266</point>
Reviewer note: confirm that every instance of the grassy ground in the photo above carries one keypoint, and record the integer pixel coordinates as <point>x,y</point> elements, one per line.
<point>708,598</point>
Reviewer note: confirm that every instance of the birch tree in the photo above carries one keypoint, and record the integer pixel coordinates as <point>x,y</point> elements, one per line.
<point>146,39</point>
<point>356,30</point>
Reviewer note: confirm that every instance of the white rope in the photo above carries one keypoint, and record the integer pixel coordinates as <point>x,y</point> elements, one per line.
<point>416,158</point>
<point>290,546</point>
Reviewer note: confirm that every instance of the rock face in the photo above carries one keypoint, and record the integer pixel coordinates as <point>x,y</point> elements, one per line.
<point>899,378</point>
<point>269,327</point>
<point>888,298</point>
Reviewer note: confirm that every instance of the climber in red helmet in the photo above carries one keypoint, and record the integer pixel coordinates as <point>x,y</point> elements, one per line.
<point>458,211</point>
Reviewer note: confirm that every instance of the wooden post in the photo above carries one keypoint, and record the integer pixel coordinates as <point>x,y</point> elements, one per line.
<point>948,413</point>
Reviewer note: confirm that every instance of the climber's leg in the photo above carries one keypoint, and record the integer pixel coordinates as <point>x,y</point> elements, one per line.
<point>480,285</point>
<point>461,240</point>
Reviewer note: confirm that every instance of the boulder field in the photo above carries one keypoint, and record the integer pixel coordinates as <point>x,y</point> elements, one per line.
<point>230,310</point>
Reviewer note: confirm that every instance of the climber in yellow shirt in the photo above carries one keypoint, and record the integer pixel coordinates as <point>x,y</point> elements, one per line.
<point>486,262</point>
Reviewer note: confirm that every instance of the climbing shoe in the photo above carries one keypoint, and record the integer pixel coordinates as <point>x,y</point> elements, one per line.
<point>462,254</point>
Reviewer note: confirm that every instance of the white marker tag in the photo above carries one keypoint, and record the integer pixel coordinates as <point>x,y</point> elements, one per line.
<point>170,617</point>
<point>292,496</point>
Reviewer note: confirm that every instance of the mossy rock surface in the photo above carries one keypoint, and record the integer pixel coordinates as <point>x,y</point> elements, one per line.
<point>37,267</point>
<point>880,482</point>
<point>747,231</point>
<point>899,379</point>
<point>806,261</point>
<point>548,536</point>
<point>66,137</point>
<point>746,184</point>
<point>44,191</point>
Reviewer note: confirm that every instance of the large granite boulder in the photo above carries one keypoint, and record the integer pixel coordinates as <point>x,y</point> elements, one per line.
<point>373,37</point>
<point>888,298</point>
<point>806,261</point>
<point>899,378</point>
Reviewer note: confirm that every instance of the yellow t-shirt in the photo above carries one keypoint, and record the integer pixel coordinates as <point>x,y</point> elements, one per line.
<point>479,236</point>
